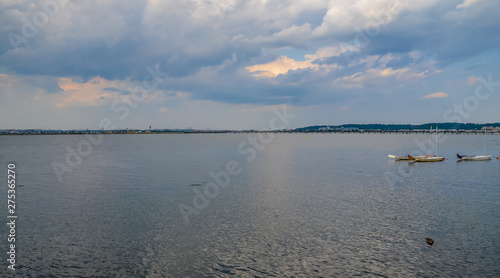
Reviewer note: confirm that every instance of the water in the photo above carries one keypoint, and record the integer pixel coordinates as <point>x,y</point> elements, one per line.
<point>321,205</point>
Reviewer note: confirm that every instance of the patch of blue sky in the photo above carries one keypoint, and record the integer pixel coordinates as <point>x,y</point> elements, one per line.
<point>296,54</point>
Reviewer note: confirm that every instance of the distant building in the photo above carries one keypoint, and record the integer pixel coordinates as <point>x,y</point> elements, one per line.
<point>328,128</point>
<point>491,129</point>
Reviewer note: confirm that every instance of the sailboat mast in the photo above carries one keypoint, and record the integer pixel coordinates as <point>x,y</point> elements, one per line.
<point>436,140</point>
<point>484,142</point>
<point>430,143</point>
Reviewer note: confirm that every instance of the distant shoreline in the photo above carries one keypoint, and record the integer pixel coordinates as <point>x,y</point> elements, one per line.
<point>448,127</point>
<point>444,131</point>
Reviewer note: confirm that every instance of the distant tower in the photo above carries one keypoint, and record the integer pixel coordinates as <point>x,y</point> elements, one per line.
<point>149,128</point>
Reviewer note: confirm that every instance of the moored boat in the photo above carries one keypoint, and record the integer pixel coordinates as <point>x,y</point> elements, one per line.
<point>399,157</point>
<point>424,158</point>
<point>480,157</point>
<point>429,157</point>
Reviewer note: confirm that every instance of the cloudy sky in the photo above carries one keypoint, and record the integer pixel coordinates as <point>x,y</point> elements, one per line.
<point>228,63</point>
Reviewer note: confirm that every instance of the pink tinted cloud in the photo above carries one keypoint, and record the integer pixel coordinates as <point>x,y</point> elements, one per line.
<point>436,95</point>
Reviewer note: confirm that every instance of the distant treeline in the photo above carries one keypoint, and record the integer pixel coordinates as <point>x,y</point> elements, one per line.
<point>457,126</point>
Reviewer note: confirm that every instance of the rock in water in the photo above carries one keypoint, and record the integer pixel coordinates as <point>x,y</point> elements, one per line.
<point>429,241</point>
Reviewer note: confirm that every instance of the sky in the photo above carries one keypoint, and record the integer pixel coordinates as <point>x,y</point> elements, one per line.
<point>231,64</point>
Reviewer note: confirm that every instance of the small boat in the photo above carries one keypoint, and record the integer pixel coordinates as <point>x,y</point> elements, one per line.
<point>480,157</point>
<point>428,157</point>
<point>425,158</point>
<point>399,157</point>
<point>474,157</point>
<point>425,155</point>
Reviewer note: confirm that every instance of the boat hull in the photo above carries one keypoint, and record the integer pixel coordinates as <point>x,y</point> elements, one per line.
<point>426,158</point>
<point>429,159</point>
<point>476,158</point>
<point>399,157</point>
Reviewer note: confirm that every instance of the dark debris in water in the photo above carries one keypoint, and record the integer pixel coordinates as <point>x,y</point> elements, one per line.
<point>196,184</point>
<point>429,241</point>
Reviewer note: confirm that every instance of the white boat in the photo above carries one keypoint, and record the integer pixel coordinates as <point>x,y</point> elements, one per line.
<point>407,157</point>
<point>428,157</point>
<point>480,157</point>
<point>474,157</point>
<point>424,156</point>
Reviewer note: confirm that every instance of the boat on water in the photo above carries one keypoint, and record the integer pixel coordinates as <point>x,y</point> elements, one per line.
<point>480,157</point>
<point>474,157</point>
<point>407,157</point>
<point>399,157</point>
<point>424,158</point>
<point>429,157</point>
